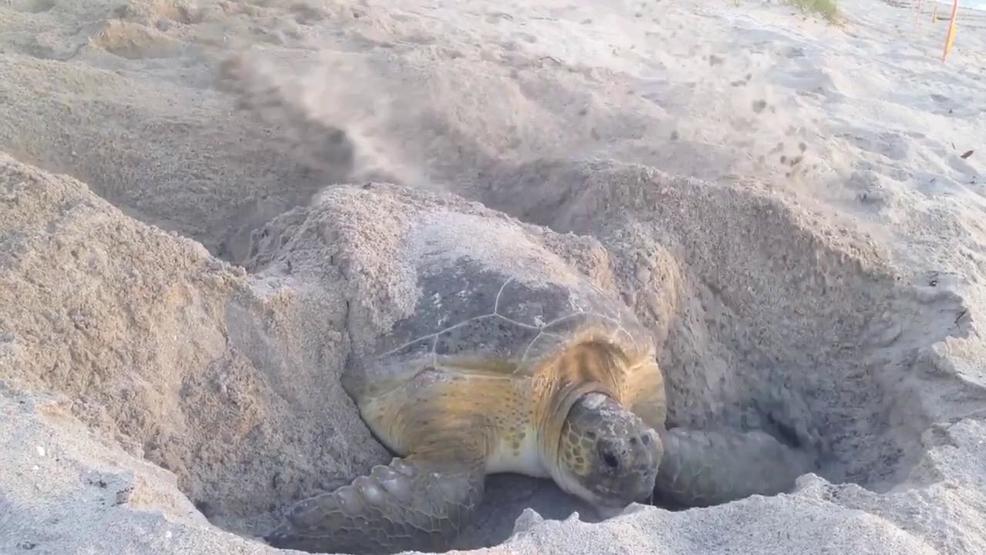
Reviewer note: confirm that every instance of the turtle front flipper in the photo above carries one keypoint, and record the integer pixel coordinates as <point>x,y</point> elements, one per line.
<point>416,503</point>
<point>706,467</point>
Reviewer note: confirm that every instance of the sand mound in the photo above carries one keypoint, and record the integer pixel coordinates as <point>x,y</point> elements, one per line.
<point>228,382</point>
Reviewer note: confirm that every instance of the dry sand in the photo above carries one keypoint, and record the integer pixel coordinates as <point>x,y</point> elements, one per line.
<point>785,203</point>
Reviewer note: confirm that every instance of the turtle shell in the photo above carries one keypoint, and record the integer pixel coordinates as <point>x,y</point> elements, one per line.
<point>490,296</point>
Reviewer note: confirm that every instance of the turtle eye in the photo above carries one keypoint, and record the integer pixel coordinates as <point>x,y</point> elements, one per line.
<point>610,460</point>
<point>607,452</point>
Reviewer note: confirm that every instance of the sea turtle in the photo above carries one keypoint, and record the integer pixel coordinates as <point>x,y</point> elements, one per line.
<point>513,361</point>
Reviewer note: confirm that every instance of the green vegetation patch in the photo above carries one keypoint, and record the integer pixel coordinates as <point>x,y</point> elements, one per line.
<point>828,9</point>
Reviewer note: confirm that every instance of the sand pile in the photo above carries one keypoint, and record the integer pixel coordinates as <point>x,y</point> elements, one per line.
<point>177,302</point>
<point>173,355</point>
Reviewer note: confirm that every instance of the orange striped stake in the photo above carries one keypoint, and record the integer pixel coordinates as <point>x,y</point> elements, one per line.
<point>950,37</point>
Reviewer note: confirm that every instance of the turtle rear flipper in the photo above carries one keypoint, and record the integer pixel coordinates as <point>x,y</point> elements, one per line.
<point>414,503</point>
<point>707,467</point>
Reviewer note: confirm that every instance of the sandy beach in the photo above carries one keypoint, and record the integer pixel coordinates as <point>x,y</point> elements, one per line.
<point>794,207</point>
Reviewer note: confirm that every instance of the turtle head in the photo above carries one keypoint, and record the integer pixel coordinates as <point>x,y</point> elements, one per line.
<point>606,454</point>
